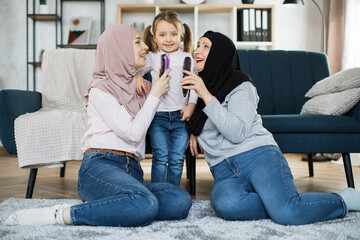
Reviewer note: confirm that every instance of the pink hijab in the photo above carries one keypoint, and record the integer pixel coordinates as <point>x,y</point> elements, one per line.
<point>115,69</point>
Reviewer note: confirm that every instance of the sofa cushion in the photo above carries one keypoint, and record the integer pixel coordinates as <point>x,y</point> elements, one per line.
<point>333,103</point>
<point>317,142</point>
<point>294,123</point>
<point>338,82</point>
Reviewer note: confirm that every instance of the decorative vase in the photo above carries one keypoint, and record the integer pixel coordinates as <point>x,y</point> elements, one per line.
<point>247,1</point>
<point>43,9</point>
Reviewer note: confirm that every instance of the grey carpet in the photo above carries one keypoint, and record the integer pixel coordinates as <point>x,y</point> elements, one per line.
<point>201,223</point>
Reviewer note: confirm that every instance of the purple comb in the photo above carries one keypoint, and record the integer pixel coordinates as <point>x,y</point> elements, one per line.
<point>165,62</point>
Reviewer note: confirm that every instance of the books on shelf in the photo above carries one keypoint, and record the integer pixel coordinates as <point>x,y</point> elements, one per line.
<point>265,25</point>
<point>254,25</point>
<point>243,25</point>
<point>258,25</point>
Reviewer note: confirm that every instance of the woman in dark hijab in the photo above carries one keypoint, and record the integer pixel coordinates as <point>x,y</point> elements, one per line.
<point>252,177</point>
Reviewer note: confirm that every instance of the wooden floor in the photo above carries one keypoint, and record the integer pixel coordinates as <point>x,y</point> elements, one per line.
<point>329,177</point>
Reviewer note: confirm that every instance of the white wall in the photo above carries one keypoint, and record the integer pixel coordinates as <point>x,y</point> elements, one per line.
<point>295,29</point>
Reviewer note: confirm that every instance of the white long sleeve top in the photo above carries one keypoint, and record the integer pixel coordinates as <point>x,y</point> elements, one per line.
<point>110,126</point>
<point>173,100</point>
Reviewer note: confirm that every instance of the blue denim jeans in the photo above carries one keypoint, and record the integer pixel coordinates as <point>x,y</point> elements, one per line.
<point>116,194</point>
<point>258,184</point>
<point>168,136</point>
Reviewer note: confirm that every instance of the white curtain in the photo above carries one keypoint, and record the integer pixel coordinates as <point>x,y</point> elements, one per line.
<point>351,53</point>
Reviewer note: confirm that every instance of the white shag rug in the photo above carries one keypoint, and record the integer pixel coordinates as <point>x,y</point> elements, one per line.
<point>202,223</point>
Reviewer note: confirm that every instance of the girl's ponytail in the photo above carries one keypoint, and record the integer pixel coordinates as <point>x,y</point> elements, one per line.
<point>188,39</point>
<point>149,40</point>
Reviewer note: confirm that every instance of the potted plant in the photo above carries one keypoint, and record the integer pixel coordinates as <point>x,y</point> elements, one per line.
<point>43,7</point>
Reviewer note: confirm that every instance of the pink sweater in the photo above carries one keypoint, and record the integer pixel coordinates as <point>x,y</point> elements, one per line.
<point>110,126</point>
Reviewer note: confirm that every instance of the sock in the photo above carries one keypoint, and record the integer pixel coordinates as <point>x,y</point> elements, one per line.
<point>61,216</point>
<point>351,198</point>
<point>37,216</point>
<point>66,216</point>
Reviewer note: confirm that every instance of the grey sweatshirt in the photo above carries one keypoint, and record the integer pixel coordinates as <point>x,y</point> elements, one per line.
<point>233,126</point>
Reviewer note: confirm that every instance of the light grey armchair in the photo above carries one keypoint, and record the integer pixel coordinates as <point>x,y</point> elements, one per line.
<point>49,137</point>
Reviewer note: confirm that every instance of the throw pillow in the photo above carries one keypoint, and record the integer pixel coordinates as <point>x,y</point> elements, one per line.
<point>338,82</point>
<point>332,103</point>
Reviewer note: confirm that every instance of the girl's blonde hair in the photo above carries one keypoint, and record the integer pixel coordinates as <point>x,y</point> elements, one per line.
<point>171,17</point>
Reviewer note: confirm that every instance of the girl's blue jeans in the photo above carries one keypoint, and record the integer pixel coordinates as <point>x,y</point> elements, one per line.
<point>115,194</point>
<point>258,184</point>
<point>168,137</point>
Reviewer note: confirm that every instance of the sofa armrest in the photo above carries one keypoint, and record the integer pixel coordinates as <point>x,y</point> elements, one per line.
<point>355,112</point>
<point>14,103</point>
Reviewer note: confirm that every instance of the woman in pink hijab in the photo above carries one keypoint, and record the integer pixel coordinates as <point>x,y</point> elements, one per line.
<point>111,180</point>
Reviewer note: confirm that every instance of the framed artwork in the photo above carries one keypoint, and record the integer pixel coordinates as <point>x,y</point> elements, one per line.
<point>80,30</point>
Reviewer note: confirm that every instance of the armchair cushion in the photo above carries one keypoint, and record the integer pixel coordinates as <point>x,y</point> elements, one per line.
<point>50,136</point>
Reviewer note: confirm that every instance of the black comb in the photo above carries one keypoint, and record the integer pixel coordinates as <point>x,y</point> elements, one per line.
<point>187,66</point>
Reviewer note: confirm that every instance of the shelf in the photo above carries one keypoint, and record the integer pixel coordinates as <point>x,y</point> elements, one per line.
<point>151,7</point>
<point>202,7</point>
<point>90,46</point>
<point>200,17</point>
<point>214,8</point>
<point>36,64</point>
<point>44,17</point>
<point>251,45</point>
<point>82,0</point>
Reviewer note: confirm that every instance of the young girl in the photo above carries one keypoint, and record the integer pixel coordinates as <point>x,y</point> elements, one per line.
<point>168,133</point>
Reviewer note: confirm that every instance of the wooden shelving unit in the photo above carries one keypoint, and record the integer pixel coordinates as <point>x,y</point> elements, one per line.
<point>202,17</point>
<point>89,46</point>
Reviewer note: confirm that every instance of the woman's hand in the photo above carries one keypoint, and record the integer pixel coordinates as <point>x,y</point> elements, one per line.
<point>187,111</point>
<point>193,144</point>
<point>194,82</point>
<point>161,84</point>
<point>141,86</point>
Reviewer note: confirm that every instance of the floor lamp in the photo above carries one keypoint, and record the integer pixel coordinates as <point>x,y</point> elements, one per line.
<point>322,17</point>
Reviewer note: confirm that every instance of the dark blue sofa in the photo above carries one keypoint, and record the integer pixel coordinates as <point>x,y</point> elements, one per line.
<point>282,78</point>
